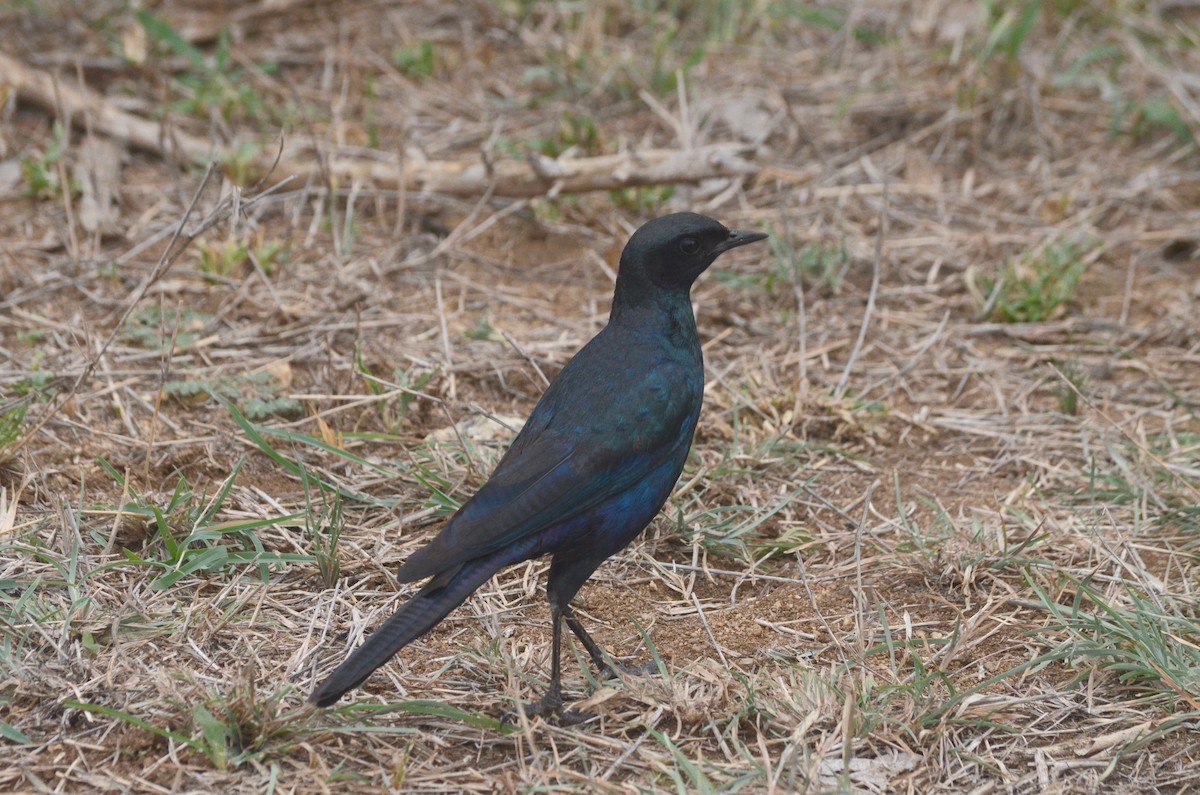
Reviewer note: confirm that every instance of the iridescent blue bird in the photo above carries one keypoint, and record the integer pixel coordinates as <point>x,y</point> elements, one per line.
<point>594,463</point>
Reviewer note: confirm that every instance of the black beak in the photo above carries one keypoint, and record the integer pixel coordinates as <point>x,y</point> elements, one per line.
<point>739,237</point>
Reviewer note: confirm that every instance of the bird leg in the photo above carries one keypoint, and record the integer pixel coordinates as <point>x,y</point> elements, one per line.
<point>605,668</point>
<point>551,704</point>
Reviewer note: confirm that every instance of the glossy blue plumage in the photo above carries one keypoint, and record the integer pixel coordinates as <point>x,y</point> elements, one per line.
<point>594,463</point>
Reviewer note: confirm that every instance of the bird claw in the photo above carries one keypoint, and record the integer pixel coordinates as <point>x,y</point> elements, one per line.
<point>573,717</point>
<point>614,669</point>
<point>546,707</point>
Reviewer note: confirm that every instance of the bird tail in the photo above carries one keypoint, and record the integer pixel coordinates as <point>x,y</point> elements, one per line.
<point>419,615</point>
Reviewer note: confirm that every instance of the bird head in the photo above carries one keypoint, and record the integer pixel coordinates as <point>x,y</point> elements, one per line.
<point>670,252</point>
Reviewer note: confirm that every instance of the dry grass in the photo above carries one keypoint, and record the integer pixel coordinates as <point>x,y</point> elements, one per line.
<point>919,547</point>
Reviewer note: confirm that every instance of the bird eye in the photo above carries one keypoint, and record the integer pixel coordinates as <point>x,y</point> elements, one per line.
<point>689,245</point>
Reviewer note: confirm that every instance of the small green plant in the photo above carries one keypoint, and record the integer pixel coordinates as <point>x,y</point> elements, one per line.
<point>256,394</point>
<point>1153,116</point>
<point>1142,116</point>
<point>228,730</point>
<point>218,86</point>
<point>825,264</point>
<point>409,383</point>
<point>49,588</point>
<point>156,328</point>
<point>1157,467</point>
<point>819,263</point>
<point>549,211</point>
<point>41,172</point>
<point>824,17</point>
<point>417,60</point>
<point>871,36</point>
<point>1013,545</point>
<point>425,469</point>
<point>393,416</point>
<point>561,74</point>
<point>323,529</point>
<point>347,235</point>
<point>1033,289</point>
<point>267,440</point>
<point>269,255</point>
<point>39,384</point>
<point>649,199</point>
<point>745,534</point>
<point>226,259</point>
<point>11,420</point>
<point>245,727</point>
<point>666,67</point>
<point>241,164</point>
<point>188,539</point>
<point>727,20</point>
<point>1009,25</point>
<point>579,131</point>
<point>1149,643</point>
<point>484,331</point>
<point>921,542</point>
<point>686,775</point>
<point>323,525</point>
<point>1072,385</point>
<point>575,131</point>
<point>232,258</point>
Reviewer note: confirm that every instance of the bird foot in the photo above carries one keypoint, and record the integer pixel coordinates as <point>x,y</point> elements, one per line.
<point>615,669</point>
<point>547,707</point>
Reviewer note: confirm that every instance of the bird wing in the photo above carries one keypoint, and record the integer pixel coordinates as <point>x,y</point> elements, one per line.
<point>579,448</point>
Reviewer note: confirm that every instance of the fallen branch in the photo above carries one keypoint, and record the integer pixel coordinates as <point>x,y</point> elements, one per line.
<point>536,176</point>
<point>37,88</point>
